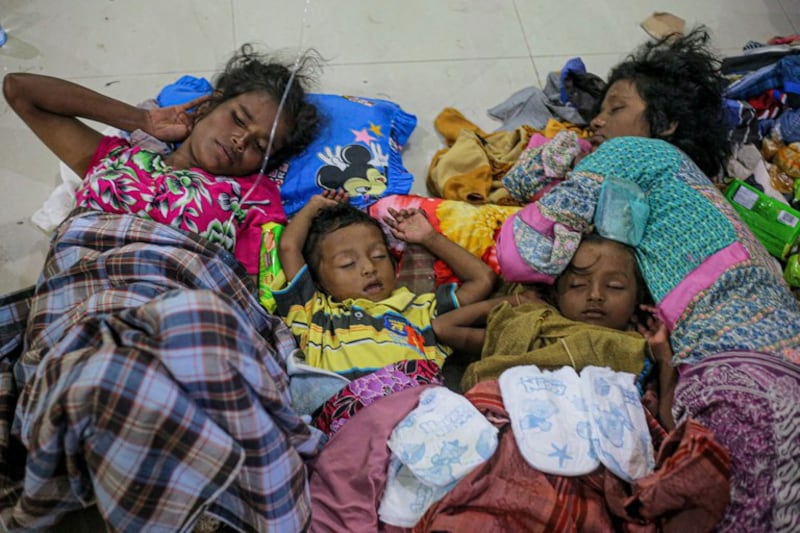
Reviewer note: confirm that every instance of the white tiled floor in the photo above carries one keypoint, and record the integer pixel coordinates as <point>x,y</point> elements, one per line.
<point>423,54</point>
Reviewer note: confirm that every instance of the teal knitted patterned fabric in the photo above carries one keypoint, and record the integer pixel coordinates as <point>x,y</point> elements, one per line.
<point>684,228</point>
<point>748,306</point>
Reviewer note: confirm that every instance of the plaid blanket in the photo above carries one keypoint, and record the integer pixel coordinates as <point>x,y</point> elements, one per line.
<point>143,376</point>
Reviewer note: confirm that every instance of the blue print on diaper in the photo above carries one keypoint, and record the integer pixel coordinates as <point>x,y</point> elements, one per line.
<point>613,424</point>
<point>422,497</point>
<point>579,403</point>
<point>629,396</point>
<point>450,452</point>
<point>409,421</point>
<point>411,453</point>
<point>561,453</point>
<point>487,443</point>
<point>535,414</point>
<point>601,387</point>
<point>442,471</point>
<point>537,383</point>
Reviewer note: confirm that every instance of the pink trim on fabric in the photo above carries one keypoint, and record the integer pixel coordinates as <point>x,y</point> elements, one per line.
<point>512,267</point>
<point>534,218</point>
<point>699,279</point>
<point>537,140</point>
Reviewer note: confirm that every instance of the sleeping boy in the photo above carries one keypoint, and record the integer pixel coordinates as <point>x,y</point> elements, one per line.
<point>344,308</point>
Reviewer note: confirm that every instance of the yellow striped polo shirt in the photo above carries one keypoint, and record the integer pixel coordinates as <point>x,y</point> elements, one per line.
<point>358,336</point>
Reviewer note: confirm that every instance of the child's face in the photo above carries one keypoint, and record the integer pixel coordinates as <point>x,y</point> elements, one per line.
<point>621,114</point>
<point>604,290</point>
<point>354,263</point>
<point>232,139</point>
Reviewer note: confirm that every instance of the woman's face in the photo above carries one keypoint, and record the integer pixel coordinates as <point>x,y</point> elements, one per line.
<point>621,114</point>
<point>232,139</point>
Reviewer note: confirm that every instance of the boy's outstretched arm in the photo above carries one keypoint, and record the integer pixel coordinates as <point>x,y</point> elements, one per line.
<point>477,279</point>
<point>657,336</point>
<point>290,247</point>
<point>464,328</point>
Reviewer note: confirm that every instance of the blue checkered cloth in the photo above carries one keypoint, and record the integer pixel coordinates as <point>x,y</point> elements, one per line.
<point>143,376</point>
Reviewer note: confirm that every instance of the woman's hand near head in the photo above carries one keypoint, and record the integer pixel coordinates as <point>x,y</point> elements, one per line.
<point>173,123</point>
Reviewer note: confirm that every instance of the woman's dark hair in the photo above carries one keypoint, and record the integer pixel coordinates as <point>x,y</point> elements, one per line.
<point>679,79</point>
<point>328,220</point>
<point>249,70</point>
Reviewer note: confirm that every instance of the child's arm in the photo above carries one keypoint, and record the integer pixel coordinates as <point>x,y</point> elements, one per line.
<point>477,279</point>
<point>50,107</point>
<point>657,336</point>
<point>464,328</point>
<point>290,247</point>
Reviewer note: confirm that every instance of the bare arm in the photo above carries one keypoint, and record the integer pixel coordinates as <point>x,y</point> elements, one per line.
<point>477,279</point>
<point>464,328</point>
<point>51,108</point>
<point>657,336</point>
<point>290,247</point>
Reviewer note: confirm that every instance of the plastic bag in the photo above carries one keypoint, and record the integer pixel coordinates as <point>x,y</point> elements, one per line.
<point>622,211</point>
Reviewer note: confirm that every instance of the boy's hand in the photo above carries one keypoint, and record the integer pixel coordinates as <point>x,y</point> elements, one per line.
<point>410,225</point>
<point>655,333</point>
<point>529,295</point>
<point>326,198</point>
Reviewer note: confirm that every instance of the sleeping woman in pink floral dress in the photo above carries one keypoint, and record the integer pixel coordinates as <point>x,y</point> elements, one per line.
<point>209,184</point>
<point>142,379</point>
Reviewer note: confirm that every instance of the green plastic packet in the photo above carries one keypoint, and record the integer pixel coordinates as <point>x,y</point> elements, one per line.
<point>791,273</point>
<point>270,273</point>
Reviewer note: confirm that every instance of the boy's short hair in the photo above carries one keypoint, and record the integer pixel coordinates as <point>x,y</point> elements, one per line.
<point>330,219</point>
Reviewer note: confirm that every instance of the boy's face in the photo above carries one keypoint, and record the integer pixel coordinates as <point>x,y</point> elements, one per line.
<point>621,114</point>
<point>354,263</point>
<point>604,290</point>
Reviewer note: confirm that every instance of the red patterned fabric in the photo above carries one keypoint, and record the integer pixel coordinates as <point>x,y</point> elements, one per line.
<point>361,392</point>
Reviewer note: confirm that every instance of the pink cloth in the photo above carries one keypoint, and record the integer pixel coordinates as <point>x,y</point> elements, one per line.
<point>678,299</point>
<point>126,179</point>
<point>348,477</point>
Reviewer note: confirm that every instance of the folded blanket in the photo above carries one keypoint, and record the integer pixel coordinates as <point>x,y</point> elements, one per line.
<point>149,382</point>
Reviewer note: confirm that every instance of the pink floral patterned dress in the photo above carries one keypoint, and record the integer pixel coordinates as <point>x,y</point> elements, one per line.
<point>126,179</point>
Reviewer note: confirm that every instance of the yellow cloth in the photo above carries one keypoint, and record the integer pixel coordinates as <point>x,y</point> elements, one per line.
<point>537,334</point>
<point>554,126</point>
<point>472,165</point>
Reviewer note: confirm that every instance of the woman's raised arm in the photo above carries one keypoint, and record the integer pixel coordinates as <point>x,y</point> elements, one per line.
<point>51,108</point>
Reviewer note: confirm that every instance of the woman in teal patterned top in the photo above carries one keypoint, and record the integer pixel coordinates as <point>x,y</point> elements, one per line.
<point>734,324</point>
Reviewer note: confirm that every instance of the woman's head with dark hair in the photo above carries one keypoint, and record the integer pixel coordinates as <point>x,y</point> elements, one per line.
<point>669,89</point>
<point>250,72</point>
<point>347,253</point>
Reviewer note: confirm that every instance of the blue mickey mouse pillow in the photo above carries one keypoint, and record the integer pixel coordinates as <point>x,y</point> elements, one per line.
<point>358,149</point>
